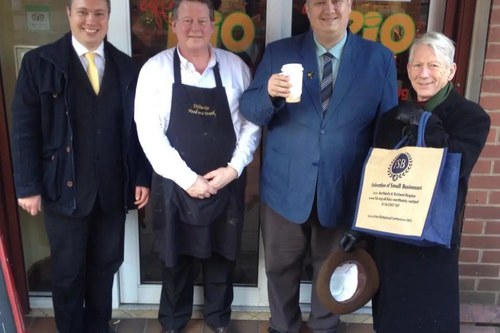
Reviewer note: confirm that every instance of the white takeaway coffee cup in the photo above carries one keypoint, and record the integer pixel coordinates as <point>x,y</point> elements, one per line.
<point>294,72</point>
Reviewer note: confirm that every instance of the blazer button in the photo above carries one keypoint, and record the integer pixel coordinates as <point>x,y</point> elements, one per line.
<point>53,157</point>
<point>322,132</point>
<point>68,149</point>
<point>70,184</point>
<point>54,95</point>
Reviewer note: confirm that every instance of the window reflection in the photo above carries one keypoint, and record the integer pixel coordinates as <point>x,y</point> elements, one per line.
<point>240,28</point>
<point>393,23</point>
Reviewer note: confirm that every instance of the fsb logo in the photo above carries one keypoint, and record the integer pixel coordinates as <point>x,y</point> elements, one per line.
<point>400,166</point>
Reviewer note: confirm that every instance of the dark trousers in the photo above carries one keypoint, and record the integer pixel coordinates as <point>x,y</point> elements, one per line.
<point>286,245</point>
<point>176,301</point>
<point>86,252</point>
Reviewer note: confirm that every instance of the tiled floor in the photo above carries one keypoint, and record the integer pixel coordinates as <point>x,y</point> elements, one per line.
<point>474,318</point>
<point>47,325</point>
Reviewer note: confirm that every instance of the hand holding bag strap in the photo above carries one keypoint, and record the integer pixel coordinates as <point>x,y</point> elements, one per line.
<point>421,132</point>
<point>421,128</point>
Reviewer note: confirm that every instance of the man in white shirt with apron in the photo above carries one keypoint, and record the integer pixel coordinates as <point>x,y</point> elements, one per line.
<point>190,127</point>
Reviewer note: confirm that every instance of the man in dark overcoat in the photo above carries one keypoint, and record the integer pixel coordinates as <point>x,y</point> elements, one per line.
<point>76,154</point>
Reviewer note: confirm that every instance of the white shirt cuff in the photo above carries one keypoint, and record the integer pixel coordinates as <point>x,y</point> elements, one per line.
<point>187,180</point>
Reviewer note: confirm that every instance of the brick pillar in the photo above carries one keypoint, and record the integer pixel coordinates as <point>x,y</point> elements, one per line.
<point>480,254</point>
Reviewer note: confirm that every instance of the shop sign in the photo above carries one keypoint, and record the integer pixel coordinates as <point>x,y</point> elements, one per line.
<point>396,32</point>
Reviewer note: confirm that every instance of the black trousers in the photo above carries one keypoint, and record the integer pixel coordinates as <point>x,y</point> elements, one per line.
<point>286,245</point>
<point>176,301</point>
<point>86,252</point>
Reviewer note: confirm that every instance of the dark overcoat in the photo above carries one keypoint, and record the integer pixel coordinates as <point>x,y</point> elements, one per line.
<point>419,289</point>
<point>41,136</point>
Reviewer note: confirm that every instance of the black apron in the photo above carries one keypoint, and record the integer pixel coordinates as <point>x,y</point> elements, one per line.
<point>201,130</point>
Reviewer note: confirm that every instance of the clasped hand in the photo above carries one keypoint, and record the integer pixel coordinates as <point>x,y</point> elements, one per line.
<point>208,185</point>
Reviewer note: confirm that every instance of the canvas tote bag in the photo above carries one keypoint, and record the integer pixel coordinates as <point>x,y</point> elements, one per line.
<point>409,193</point>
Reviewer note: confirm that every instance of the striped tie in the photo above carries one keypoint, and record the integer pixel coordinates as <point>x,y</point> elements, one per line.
<point>327,82</point>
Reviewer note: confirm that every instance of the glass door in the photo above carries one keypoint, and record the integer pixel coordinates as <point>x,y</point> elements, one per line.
<point>26,25</point>
<point>240,27</point>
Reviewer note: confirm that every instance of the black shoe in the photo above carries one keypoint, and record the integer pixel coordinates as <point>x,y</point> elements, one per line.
<point>224,330</point>
<point>227,329</point>
<point>272,330</point>
<point>169,331</point>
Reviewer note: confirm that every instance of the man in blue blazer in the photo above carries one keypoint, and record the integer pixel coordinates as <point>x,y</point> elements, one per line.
<point>315,149</point>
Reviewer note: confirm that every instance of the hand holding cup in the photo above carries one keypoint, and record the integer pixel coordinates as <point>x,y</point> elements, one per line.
<point>287,84</point>
<point>295,73</point>
<point>279,86</point>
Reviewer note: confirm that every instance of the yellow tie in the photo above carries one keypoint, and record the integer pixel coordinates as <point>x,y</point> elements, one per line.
<point>92,71</point>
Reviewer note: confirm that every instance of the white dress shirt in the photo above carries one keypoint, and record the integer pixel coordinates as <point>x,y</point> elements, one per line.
<point>99,59</point>
<point>153,102</point>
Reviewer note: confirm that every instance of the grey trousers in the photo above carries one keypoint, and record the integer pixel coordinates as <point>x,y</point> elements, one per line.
<point>286,245</point>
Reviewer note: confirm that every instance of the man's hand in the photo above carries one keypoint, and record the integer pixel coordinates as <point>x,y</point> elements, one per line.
<point>279,86</point>
<point>201,189</point>
<point>141,196</point>
<point>409,114</point>
<point>350,240</point>
<point>221,177</point>
<point>32,205</point>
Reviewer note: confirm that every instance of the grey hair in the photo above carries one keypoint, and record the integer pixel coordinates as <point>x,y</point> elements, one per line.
<point>208,3</point>
<point>442,46</point>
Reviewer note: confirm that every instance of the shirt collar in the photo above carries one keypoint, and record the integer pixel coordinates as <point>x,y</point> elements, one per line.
<point>185,63</point>
<point>81,50</point>
<point>336,50</point>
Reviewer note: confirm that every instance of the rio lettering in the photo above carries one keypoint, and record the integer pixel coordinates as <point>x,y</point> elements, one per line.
<point>396,32</point>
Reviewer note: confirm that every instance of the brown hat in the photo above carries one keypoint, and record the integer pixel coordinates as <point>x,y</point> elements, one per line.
<point>367,281</point>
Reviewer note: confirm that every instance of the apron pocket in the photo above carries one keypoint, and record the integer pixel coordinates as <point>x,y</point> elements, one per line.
<point>200,212</point>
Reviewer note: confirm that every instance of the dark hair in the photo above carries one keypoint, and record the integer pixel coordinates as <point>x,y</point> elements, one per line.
<point>208,3</point>
<point>70,2</point>
<point>216,4</point>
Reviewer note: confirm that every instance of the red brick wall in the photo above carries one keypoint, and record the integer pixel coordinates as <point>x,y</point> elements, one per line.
<point>480,254</point>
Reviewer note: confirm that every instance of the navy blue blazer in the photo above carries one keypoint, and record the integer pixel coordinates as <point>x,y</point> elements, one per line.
<point>307,153</point>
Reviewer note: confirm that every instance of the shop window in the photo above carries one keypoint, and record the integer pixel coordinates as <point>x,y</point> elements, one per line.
<point>240,28</point>
<point>395,24</point>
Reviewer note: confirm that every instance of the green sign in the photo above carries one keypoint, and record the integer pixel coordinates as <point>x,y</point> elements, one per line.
<point>38,18</point>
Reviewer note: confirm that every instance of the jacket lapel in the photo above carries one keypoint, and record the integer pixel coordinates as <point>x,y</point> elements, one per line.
<point>346,73</point>
<point>310,62</point>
